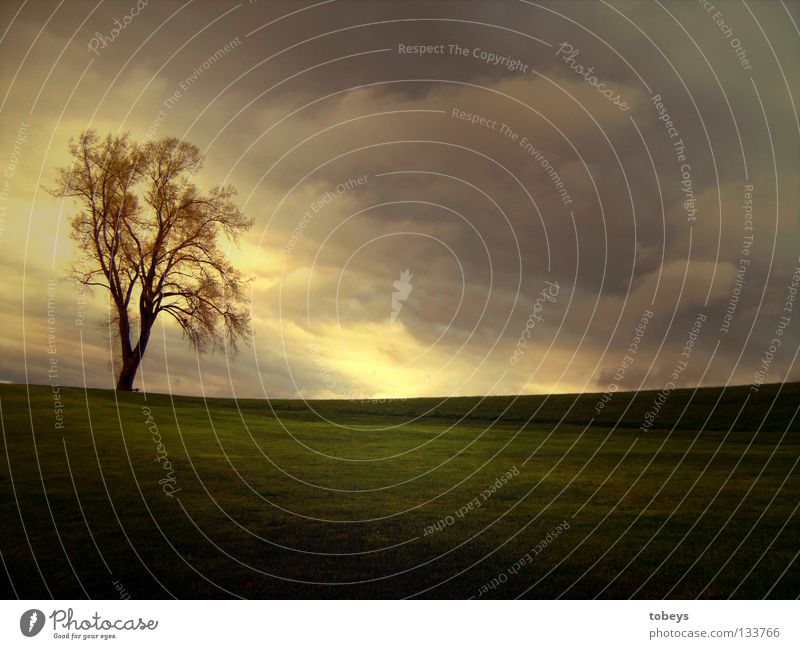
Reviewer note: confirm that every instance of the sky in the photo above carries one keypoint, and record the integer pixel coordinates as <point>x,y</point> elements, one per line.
<point>586,196</point>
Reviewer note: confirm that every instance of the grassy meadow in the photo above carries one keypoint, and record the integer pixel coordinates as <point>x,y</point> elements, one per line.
<point>538,497</point>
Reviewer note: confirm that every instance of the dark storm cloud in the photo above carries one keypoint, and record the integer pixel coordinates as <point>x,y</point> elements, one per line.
<point>321,94</point>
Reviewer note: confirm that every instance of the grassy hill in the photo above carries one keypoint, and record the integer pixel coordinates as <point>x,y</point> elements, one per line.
<point>185,497</point>
<point>771,408</point>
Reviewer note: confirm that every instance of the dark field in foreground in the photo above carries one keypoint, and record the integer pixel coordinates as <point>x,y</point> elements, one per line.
<point>345,500</point>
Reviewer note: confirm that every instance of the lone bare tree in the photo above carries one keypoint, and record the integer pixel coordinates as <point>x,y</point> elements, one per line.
<point>148,235</point>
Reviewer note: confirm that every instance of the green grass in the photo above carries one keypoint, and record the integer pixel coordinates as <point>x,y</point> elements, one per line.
<point>275,501</point>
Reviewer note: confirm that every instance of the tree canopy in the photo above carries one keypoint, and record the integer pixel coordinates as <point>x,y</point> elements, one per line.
<point>150,236</point>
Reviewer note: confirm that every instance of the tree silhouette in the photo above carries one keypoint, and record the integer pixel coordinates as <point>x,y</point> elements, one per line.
<point>150,237</point>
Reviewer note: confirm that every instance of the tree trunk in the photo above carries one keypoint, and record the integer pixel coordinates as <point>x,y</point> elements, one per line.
<point>131,359</point>
<point>130,365</point>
